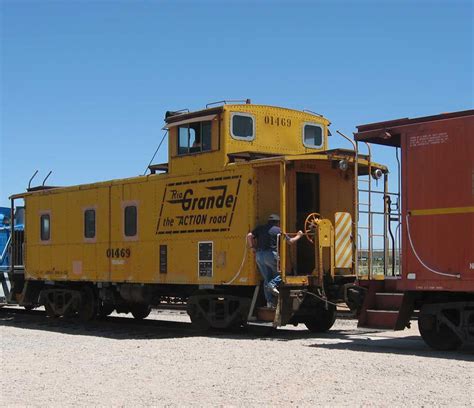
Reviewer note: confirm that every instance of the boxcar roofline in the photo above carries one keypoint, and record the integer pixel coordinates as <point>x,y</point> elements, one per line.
<point>388,132</point>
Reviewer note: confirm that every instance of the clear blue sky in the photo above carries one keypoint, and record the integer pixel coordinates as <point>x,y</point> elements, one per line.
<point>85,84</point>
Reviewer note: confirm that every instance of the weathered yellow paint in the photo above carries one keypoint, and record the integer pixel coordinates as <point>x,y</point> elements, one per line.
<point>203,197</point>
<point>271,139</point>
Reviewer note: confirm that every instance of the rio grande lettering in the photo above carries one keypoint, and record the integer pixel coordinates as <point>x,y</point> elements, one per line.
<point>200,219</point>
<point>197,206</point>
<point>189,202</point>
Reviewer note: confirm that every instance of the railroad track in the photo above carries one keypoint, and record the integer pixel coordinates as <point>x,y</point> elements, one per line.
<point>158,325</point>
<point>120,327</point>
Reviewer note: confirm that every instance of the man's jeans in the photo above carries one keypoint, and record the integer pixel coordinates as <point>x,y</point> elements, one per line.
<point>267,265</point>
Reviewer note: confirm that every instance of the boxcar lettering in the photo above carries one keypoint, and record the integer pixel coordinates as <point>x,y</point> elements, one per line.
<point>429,139</point>
<point>192,219</point>
<point>118,253</point>
<point>176,195</point>
<point>221,219</point>
<point>189,202</point>
<point>277,121</point>
<point>168,222</point>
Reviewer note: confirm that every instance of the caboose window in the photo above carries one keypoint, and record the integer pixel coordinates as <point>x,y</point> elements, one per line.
<point>130,221</point>
<point>194,138</point>
<point>242,126</point>
<point>89,223</point>
<point>45,227</point>
<point>312,135</point>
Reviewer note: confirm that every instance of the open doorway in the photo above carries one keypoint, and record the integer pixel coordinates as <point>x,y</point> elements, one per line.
<point>307,201</point>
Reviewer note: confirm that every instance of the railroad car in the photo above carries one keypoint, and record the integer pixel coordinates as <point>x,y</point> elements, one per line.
<point>177,234</point>
<point>4,261</point>
<point>6,257</point>
<point>436,270</point>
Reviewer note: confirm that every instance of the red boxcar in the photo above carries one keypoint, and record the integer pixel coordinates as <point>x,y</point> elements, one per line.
<point>437,220</point>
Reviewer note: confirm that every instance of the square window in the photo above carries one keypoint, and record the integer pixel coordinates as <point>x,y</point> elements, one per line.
<point>130,221</point>
<point>194,137</point>
<point>242,126</point>
<point>312,135</point>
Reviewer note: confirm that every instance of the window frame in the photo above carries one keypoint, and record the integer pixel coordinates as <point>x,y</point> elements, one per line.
<point>319,125</point>
<point>94,238</point>
<point>188,127</point>
<point>43,214</point>
<point>126,204</point>
<point>249,115</point>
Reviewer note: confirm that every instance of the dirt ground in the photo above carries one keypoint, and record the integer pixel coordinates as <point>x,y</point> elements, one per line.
<point>164,362</point>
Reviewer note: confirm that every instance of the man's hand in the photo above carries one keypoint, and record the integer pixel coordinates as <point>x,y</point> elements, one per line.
<point>298,235</point>
<point>251,241</point>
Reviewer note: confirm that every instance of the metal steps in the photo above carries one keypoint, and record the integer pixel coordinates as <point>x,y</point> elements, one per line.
<point>382,305</point>
<point>381,319</point>
<point>388,301</point>
<point>385,311</point>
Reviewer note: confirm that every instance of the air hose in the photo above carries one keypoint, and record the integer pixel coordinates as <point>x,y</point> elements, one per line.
<point>452,275</point>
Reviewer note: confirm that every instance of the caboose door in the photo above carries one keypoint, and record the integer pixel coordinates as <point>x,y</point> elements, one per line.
<point>307,202</point>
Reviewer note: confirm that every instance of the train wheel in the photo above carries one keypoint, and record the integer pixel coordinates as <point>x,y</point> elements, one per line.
<point>105,310</point>
<point>199,321</point>
<point>88,307</point>
<point>437,335</point>
<point>140,311</point>
<point>322,320</point>
<point>50,312</point>
<point>196,313</point>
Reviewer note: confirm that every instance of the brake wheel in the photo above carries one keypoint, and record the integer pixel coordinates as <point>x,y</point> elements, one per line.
<point>310,225</point>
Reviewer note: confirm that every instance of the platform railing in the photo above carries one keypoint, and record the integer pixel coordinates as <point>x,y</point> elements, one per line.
<point>377,204</point>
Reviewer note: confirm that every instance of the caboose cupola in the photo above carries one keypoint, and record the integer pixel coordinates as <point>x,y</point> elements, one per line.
<point>211,138</point>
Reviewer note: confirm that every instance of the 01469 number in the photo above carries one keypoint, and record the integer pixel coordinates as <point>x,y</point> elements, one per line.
<point>118,253</point>
<point>277,121</point>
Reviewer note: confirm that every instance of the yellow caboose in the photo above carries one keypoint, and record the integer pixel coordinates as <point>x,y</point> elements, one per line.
<point>179,232</point>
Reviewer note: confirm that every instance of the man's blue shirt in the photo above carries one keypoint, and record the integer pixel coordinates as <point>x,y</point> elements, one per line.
<point>266,236</point>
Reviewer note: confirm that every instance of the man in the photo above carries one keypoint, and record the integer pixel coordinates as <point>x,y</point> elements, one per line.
<point>263,241</point>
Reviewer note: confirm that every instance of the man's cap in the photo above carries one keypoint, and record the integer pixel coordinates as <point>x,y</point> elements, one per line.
<point>274,217</point>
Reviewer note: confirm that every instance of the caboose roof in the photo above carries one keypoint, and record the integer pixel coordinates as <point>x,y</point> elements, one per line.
<point>175,117</point>
<point>388,132</point>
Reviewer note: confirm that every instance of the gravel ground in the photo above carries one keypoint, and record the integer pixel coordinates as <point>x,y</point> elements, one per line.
<point>164,362</point>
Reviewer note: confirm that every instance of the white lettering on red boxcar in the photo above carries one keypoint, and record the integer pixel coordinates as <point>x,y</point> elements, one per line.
<point>428,139</point>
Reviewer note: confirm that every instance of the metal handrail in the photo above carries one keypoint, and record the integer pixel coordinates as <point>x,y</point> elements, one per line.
<point>372,212</point>
<point>278,254</point>
<point>226,101</point>
<point>2,257</point>
<point>378,192</point>
<point>356,197</point>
